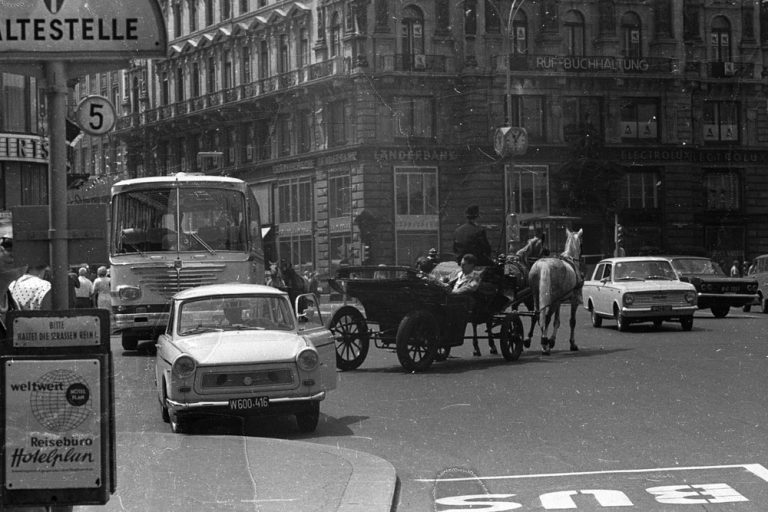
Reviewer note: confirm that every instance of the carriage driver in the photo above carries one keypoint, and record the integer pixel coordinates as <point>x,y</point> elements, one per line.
<point>471,238</point>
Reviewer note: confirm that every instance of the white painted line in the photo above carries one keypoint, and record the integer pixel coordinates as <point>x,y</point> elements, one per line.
<point>756,469</point>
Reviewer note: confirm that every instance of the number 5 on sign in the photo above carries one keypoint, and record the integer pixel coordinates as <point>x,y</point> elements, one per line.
<point>95,115</point>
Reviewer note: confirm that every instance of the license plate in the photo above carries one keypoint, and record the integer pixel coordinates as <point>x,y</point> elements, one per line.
<point>661,308</point>
<point>245,404</point>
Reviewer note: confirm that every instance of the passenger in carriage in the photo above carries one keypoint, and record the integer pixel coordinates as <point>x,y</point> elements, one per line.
<point>466,280</point>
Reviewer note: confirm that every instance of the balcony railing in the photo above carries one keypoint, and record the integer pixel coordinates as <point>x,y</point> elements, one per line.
<point>416,63</point>
<point>284,81</point>
<point>607,64</point>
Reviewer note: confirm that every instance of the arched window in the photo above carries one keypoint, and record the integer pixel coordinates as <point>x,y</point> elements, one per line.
<point>519,33</point>
<point>720,39</point>
<point>412,37</point>
<point>573,22</point>
<point>335,35</point>
<point>631,34</point>
<point>492,19</point>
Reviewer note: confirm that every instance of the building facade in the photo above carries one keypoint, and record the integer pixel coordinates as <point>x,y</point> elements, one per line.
<point>365,127</point>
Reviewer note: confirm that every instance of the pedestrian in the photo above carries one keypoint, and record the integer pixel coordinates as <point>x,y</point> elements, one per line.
<point>84,293</point>
<point>8,273</point>
<point>735,269</point>
<point>101,290</point>
<point>470,238</point>
<point>74,285</point>
<point>31,292</point>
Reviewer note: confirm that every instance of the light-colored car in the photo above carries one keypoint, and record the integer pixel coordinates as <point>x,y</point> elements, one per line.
<point>759,271</point>
<point>638,289</point>
<point>239,350</point>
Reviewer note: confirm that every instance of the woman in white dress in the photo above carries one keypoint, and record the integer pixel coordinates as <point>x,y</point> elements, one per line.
<point>101,294</point>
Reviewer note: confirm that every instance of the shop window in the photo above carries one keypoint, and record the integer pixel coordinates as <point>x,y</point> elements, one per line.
<point>299,250</point>
<point>642,189</point>
<point>295,200</point>
<point>722,190</point>
<point>528,189</point>
<point>414,117</point>
<point>294,209</point>
<point>720,121</point>
<point>639,120</point>
<point>528,112</point>
<point>631,33</point>
<point>416,212</point>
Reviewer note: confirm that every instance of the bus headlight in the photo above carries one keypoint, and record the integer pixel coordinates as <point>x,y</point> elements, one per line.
<point>129,292</point>
<point>183,366</point>
<point>308,359</point>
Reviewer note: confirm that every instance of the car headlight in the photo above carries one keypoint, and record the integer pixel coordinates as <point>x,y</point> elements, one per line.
<point>129,292</point>
<point>628,299</point>
<point>706,287</point>
<point>690,297</point>
<point>183,367</point>
<point>752,288</point>
<point>308,359</point>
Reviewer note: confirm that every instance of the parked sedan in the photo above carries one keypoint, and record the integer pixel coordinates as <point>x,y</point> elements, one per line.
<point>638,289</point>
<point>239,350</point>
<point>716,291</point>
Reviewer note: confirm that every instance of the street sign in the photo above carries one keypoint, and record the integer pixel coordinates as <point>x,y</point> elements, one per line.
<point>71,30</point>
<point>95,115</point>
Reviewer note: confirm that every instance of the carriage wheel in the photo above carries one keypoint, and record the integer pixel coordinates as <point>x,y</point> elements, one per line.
<point>511,337</point>
<point>442,353</point>
<point>351,333</point>
<point>417,341</point>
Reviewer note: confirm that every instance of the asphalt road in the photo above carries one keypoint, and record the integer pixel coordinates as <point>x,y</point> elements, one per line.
<point>645,420</point>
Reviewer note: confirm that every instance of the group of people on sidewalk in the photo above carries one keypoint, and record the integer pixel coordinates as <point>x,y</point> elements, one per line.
<point>28,288</point>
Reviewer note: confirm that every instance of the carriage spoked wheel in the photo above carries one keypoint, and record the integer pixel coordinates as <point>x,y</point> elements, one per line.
<point>417,341</point>
<point>352,339</point>
<point>511,339</point>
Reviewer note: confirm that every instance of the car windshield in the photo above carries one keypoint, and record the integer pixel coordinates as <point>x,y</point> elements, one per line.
<point>643,270</point>
<point>697,266</point>
<point>234,313</point>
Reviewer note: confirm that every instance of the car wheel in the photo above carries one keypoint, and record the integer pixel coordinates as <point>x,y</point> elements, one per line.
<point>163,408</point>
<point>597,320</point>
<point>687,323</point>
<point>622,324</point>
<point>307,420</point>
<point>130,341</point>
<point>657,324</point>
<point>747,308</point>
<point>720,311</point>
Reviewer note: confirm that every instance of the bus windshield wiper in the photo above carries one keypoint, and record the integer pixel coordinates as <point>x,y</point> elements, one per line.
<point>202,242</point>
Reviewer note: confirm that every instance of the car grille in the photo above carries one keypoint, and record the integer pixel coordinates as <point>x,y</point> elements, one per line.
<point>165,282</point>
<point>219,379</point>
<point>660,299</point>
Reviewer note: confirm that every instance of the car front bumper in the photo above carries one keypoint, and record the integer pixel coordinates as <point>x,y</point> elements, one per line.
<point>276,405</point>
<point>650,312</point>
<point>706,300</point>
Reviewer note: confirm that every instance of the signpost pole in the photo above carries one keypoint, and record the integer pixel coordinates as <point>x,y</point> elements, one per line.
<point>56,95</point>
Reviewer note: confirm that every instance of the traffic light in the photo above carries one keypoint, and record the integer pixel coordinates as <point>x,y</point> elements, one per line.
<point>619,235</point>
<point>366,252</point>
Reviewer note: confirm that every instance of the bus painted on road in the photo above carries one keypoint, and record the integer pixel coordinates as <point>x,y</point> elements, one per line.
<point>170,233</point>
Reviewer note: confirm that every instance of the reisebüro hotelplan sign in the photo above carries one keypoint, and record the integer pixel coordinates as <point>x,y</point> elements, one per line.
<point>80,29</point>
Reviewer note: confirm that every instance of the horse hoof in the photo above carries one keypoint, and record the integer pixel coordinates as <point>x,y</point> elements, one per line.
<point>574,348</point>
<point>545,352</point>
<point>494,351</point>
<point>476,353</point>
<point>527,342</point>
<point>551,344</point>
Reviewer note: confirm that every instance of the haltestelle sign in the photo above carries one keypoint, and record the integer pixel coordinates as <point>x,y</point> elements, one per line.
<point>59,27</point>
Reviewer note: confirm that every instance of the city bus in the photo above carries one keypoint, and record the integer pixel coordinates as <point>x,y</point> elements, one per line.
<point>170,233</point>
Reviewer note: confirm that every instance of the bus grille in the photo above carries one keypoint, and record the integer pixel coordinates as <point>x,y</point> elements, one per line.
<point>165,282</point>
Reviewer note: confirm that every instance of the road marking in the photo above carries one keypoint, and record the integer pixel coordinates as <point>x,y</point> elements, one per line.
<point>756,469</point>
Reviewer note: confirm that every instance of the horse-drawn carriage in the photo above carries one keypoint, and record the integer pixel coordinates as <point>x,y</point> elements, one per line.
<point>420,319</point>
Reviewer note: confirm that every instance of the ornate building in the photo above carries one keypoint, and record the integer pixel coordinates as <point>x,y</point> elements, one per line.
<point>368,125</point>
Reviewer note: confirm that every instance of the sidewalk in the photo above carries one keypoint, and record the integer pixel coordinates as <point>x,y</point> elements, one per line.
<point>171,472</point>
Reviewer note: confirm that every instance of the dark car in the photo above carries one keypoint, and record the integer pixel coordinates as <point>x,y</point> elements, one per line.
<point>716,291</point>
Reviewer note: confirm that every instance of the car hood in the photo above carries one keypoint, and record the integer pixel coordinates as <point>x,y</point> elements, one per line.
<point>715,279</point>
<point>654,286</point>
<point>235,347</point>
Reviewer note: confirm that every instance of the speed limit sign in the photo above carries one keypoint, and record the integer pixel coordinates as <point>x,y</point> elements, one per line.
<point>95,115</point>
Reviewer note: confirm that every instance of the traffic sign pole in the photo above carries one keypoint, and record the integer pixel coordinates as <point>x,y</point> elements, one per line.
<point>56,95</point>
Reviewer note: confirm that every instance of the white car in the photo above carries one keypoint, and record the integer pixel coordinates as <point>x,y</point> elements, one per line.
<point>239,350</point>
<point>638,289</point>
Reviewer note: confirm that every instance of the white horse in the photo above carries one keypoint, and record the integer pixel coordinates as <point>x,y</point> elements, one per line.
<point>554,281</point>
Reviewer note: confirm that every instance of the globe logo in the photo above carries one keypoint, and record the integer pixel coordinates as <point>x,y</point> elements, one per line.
<point>61,407</point>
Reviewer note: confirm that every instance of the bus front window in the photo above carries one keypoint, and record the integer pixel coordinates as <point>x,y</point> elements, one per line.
<point>213,219</point>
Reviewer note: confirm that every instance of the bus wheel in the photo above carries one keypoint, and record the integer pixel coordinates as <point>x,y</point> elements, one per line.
<point>130,341</point>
